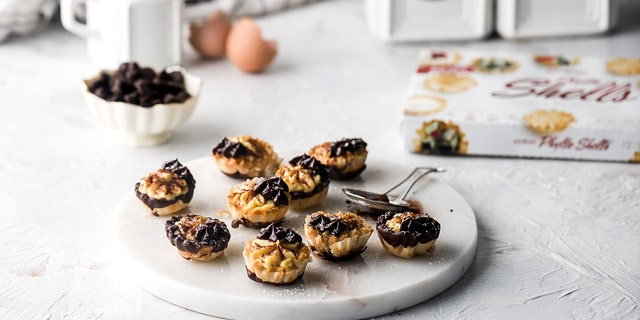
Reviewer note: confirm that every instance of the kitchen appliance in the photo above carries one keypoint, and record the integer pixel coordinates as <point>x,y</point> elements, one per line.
<point>544,18</point>
<point>146,31</point>
<point>417,20</point>
<point>437,20</point>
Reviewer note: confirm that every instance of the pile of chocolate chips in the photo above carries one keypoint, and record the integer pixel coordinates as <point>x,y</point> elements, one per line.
<point>140,86</point>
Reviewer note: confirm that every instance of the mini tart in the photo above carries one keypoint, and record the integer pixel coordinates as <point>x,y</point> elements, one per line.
<point>406,234</point>
<point>423,105</point>
<point>197,237</point>
<point>276,256</point>
<point>339,236</point>
<point>345,158</point>
<point>438,57</point>
<point>439,137</point>
<point>167,190</point>
<point>245,157</point>
<point>449,83</point>
<point>495,65</point>
<point>550,60</point>
<point>258,202</point>
<point>308,181</point>
<point>624,66</point>
<point>548,121</point>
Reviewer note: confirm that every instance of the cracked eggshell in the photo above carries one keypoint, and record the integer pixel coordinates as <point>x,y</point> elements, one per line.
<point>209,39</point>
<point>247,49</point>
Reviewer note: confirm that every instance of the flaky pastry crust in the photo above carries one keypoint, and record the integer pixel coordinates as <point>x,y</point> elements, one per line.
<point>406,234</point>
<point>407,252</point>
<point>275,262</point>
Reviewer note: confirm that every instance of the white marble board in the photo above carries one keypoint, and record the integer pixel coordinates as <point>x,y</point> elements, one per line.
<point>373,284</point>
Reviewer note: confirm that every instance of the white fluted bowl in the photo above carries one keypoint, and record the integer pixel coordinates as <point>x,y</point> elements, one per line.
<point>134,125</point>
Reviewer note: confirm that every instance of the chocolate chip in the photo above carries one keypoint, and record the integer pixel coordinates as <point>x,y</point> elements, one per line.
<point>169,98</point>
<point>102,92</point>
<point>140,86</point>
<point>143,87</point>
<point>183,95</point>
<point>133,98</point>
<point>147,73</point>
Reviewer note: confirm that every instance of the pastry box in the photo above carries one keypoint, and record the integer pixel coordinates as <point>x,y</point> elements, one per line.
<point>540,105</point>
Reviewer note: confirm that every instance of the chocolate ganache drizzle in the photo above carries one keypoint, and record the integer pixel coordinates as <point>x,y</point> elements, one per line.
<point>323,223</point>
<point>274,189</point>
<point>183,172</point>
<point>230,149</point>
<point>340,148</point>
<point>311,163</point>
<point>413,229</point>
<point>275,233</point>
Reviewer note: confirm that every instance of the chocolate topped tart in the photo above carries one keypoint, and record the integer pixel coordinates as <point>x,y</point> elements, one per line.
<point>336,237</point>
<point>198,237</point>
<point>406,234</point>
<point>276,256</point>
<point>167,190</point>
<point>308,181</point>
<point>258,202</point>
<point>244,157</point>
<point>344,158</point>
<point>232,149</point>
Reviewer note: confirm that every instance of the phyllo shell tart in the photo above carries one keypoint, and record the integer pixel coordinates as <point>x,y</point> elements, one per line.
<point>258,202</point>
<point>245,157</point>
<point>440,137</point>
<point>167,190</point>
<point>308,181</point>
<point>406,234</point>
<point>197,237</point>
<point>276,256</point>
<point>345,158</point>
<point>495,65</point>
<point>339,236</point>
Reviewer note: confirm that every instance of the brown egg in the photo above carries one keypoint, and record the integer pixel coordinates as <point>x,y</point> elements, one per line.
<point>209,39</point>
<point>246,48</point>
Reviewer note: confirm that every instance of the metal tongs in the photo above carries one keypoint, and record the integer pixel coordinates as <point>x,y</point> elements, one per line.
<point>383,201</point>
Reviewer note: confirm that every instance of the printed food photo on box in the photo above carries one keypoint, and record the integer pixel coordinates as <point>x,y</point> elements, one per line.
<point>464,102</point>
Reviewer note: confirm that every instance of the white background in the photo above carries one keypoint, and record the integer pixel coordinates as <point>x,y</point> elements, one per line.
<point>557,239</point>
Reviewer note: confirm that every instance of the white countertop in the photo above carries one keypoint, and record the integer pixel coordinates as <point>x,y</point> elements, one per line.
<point>557,239</point>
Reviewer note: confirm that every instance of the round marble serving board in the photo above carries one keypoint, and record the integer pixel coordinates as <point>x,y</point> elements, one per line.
<point>372,284</point>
